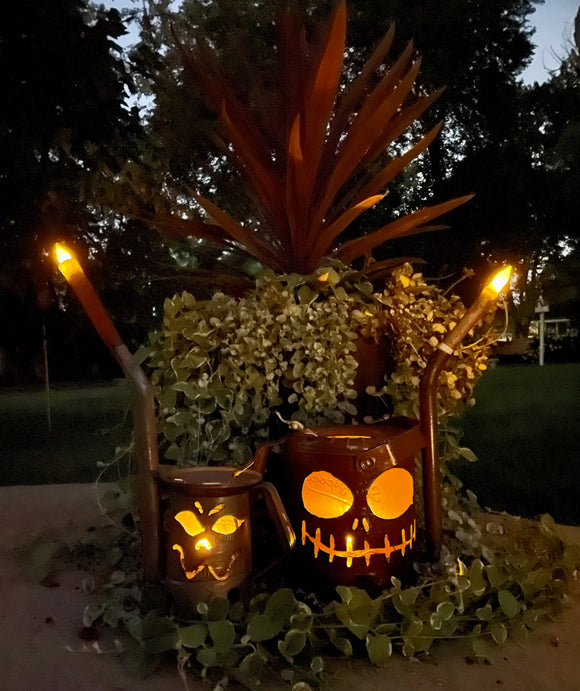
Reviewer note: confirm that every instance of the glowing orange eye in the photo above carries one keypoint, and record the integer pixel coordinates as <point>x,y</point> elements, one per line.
<point>391,493</point>
<point>190,523</point>
<point>226,525</point>
<point>326,496</point>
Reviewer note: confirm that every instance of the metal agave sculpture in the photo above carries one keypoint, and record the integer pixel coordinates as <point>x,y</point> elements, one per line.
<point>313,156</point>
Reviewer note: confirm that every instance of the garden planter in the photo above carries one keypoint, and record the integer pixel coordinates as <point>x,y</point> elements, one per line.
<point>352,493</point>
<point>374,365</point>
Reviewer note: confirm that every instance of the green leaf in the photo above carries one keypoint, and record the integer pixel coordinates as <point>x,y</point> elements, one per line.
<point>193,636</point>
<point>218,608</point>
<point>496,577</point>
<point>346,593</point>
<point>236,612</point>
<point>379,649</point>
<point>251,668</point>
<point>498,632</point>
<point>222,634</point>
<point>293,643</point>
<point>262,628</point>
<point>445,610</point>
<point>467,454</point>
<point>358,612</point>
<point>317,665</point>
<point>508,603</point>
<point>435,622</point>
<point>92,612</point>
<point>302,621</point>
<point>281,606</point>
<point>476,578</point>
<point>340,642</point>
<point>207,657</point>
<point>548,523</point>
<point>484,613</point>
<point>159,633</point>
<point>520,633</point>
<point>532,616</point>
<point>482,649</point>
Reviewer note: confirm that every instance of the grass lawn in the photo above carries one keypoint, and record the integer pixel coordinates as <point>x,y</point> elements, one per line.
<point>87,425</point>
<point>525,430</point>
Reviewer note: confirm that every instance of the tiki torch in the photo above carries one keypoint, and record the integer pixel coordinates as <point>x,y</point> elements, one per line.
<point>428,401</point>
<point>142,401</point>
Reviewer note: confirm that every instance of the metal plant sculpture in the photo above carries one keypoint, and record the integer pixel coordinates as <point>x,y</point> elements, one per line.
<point>316,153</point>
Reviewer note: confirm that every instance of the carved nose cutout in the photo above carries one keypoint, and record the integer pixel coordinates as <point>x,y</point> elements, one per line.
<point>391,493</point>
<point>204,543</point>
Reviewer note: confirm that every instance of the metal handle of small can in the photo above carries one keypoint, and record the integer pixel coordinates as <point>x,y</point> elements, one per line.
<point>278,513</point>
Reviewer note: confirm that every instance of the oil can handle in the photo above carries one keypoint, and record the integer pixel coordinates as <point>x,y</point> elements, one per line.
<point>278,513</point>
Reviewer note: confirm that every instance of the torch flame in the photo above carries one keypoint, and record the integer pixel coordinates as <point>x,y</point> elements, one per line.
<point>67,262</point>
<point>73,272</point>
<point>501,279</point>
<point>61,253</point>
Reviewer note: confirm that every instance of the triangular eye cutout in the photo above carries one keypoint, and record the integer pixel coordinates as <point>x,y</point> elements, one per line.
<point>391,493</point>
<point>326,496</point>
<point>190,523</point>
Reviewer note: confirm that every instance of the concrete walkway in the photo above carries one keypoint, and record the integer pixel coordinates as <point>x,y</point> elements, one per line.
<point>40,649</point>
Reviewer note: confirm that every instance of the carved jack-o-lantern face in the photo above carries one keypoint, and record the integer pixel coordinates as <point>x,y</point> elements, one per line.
<point>214,548</point>
<point>363,512</point>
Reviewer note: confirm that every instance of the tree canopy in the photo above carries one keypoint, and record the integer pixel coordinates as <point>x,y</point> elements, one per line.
<point>79,160</point>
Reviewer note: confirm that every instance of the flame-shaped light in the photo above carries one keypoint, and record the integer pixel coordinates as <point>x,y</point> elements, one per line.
<point>501,279</point>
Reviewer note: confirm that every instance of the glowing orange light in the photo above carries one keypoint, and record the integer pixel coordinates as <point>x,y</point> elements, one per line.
<point>326,496</point>
<point>227,525</point>
<point>61,253</point>
<point>204,543</point>
<point>349,549</point>
<point>391,493</point>
<point>189,522</point>
<point>75,277</point>
<point>500,280</point>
